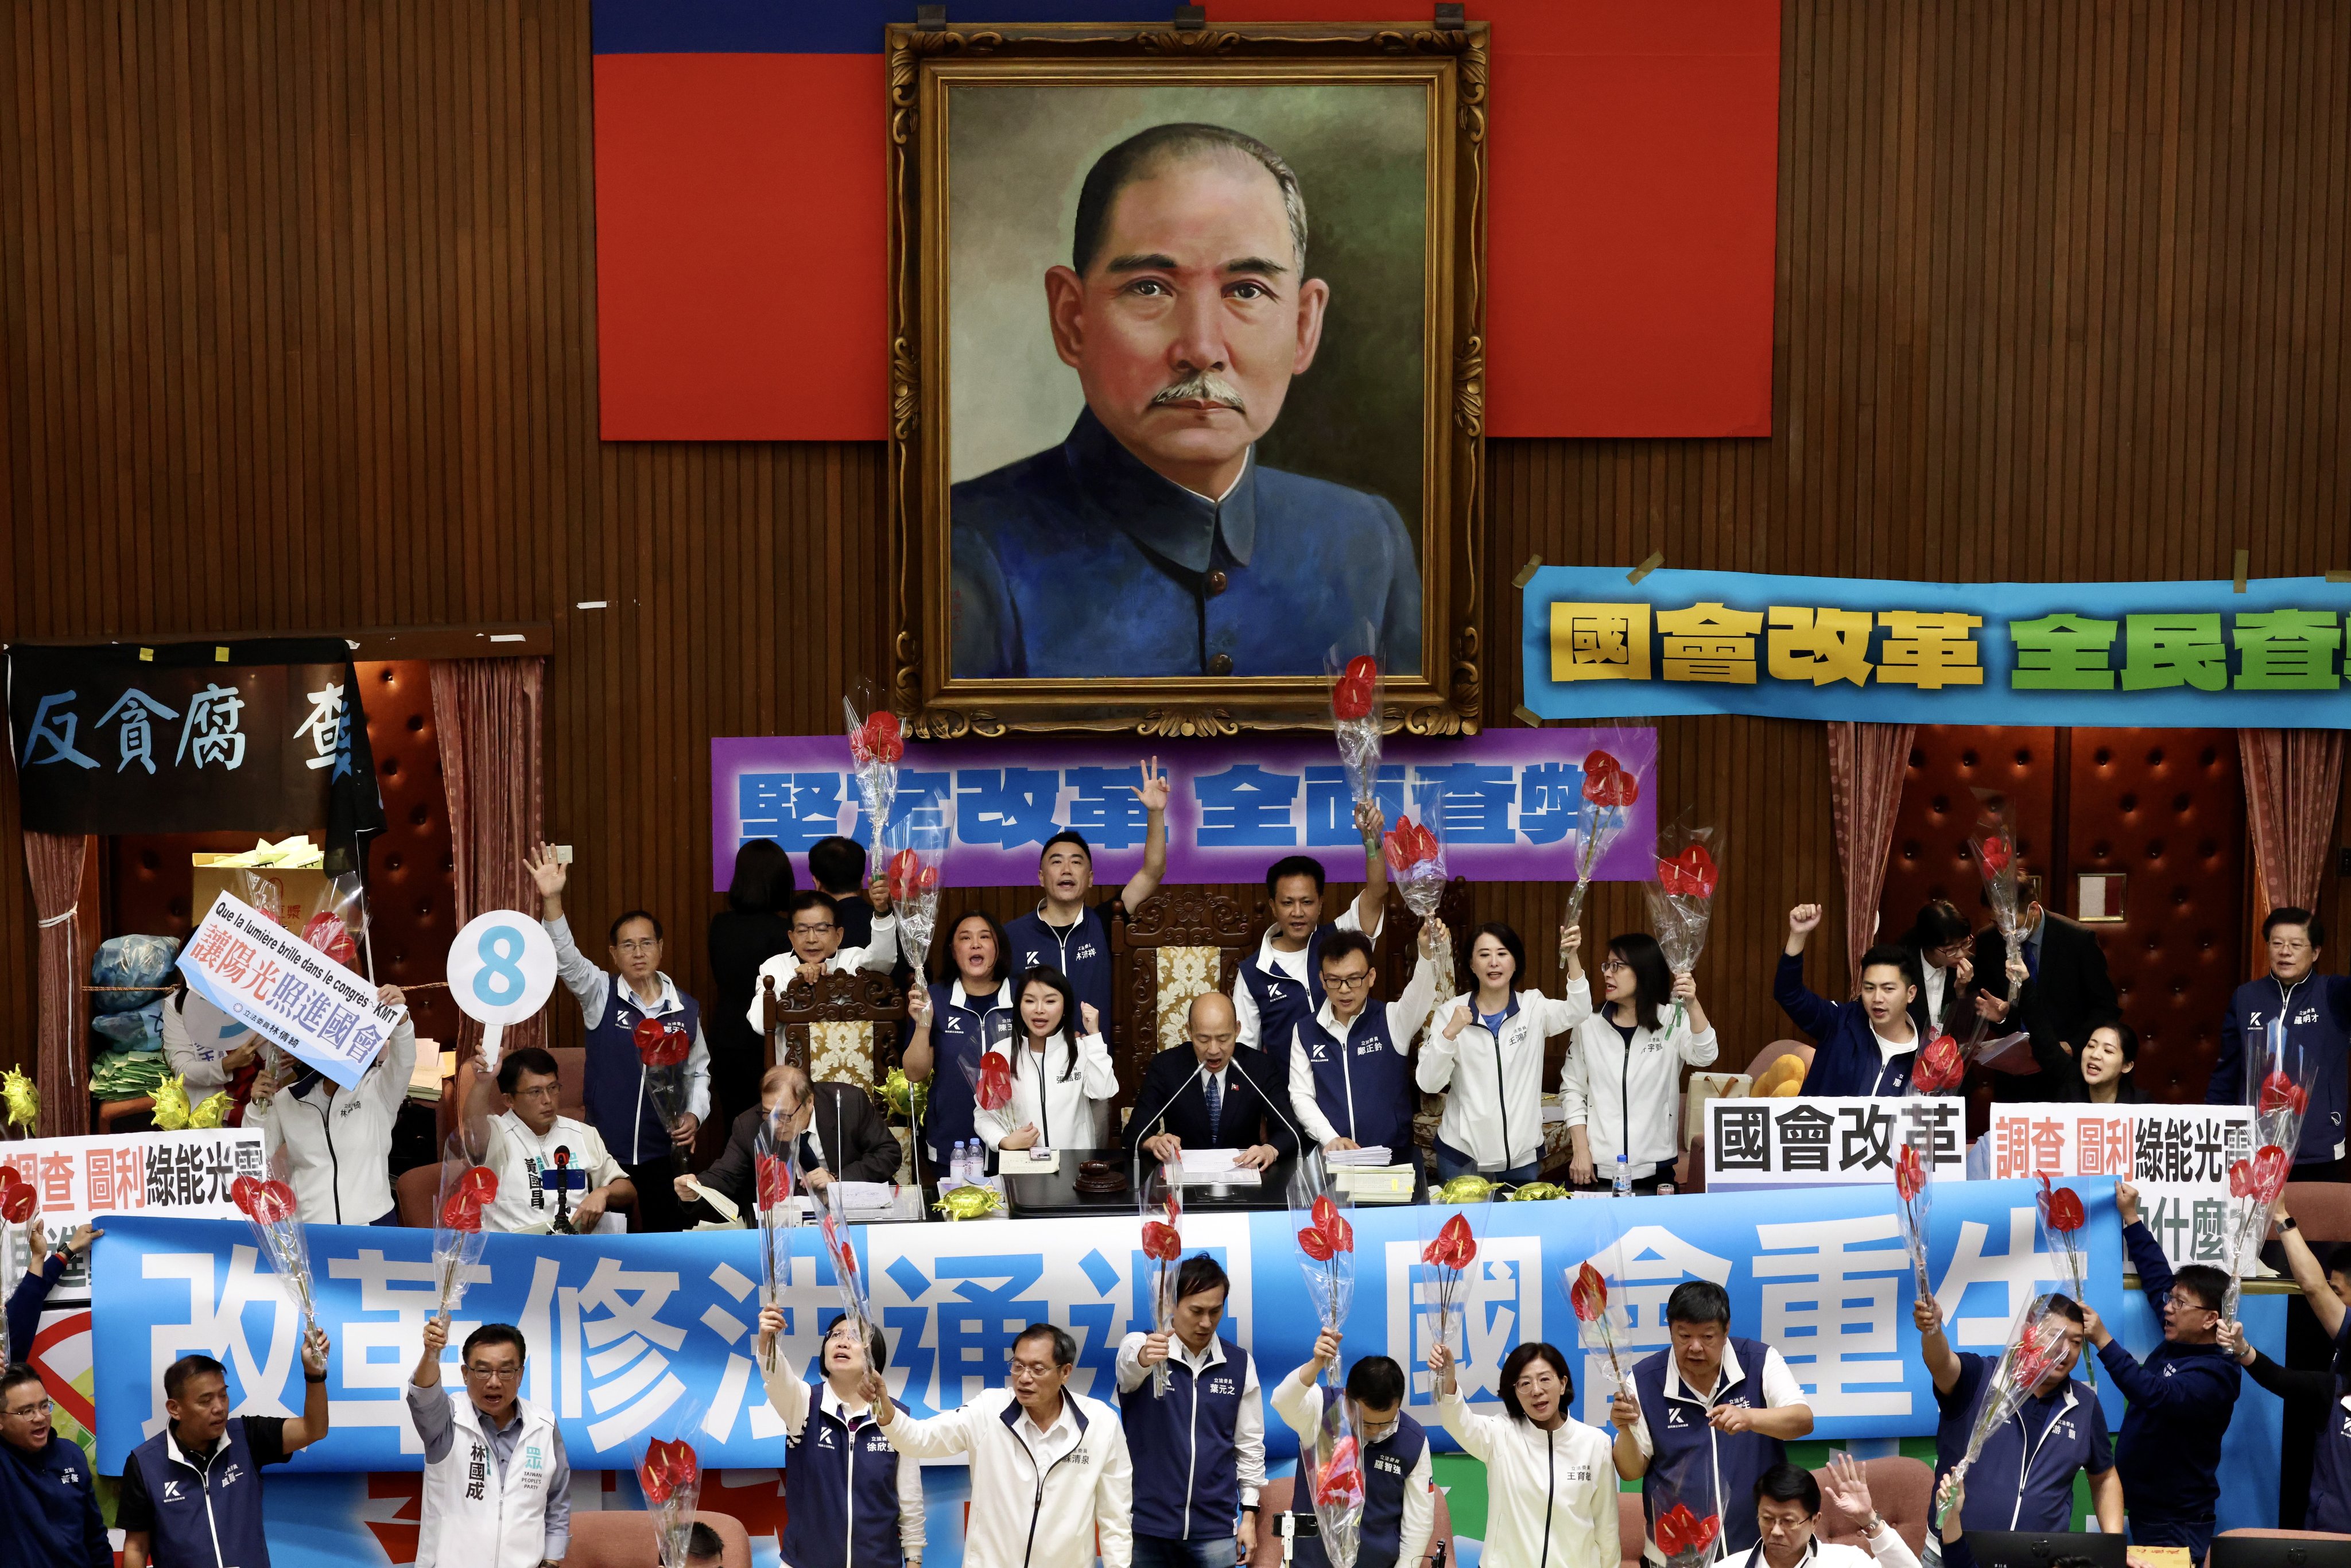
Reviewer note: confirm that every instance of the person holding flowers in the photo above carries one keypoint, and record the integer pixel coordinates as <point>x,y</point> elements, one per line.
<point>191,1494</point>
<point>1864,1047</point>
<point>1550,1492</point>
<point>2181,1396</point>
<point>849,1501</point>
<point>620,1101</point>
<point>1281,985</point>
<point>1487,1057</point>
<point>1350,1072</point>
<point>498,1484</point>
<point>1618,1083</point>
<point>1199,1448</point>
<point>2317,1012</point>
<point>2023,1476</point>
<point>2064,986</point>
<point>338,1141</point>
<point>1399,1499</point>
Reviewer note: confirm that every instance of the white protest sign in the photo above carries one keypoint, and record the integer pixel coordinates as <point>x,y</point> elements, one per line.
<point>287,991</point>
<point>1824,1142</point>
<point>501,971</point>
<point>2177,1155</point>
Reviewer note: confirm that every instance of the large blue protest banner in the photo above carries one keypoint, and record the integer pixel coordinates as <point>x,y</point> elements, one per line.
<point>2161,654</point>
<point>1512,801</point>
<point>625,1330</point>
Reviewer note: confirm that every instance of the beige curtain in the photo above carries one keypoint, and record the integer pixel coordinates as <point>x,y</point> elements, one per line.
<point>1868,763</point>
<point>2293,780</point>
<point>486,715</point>
<point>53,865</point>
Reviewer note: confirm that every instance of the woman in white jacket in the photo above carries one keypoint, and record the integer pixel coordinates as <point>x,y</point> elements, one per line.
<point>1490,1053</point>
<point>338,1141</point>
<point>1057,1074</point>
<point>1550,1485</point>
<point>1620,1083</point>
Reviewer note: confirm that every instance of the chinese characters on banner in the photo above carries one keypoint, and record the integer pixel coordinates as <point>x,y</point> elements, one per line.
<point>185,1173</point>
<point>1513,803</point>
<point>625,1330</point>
<point>263,735</point>
<point>2168,654</point>
<point>287,991</point>
<point>1824,1142</point>
<point>2177,1155</point>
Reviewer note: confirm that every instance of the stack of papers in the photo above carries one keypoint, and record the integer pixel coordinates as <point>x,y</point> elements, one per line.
<point>1215,1168</point>
<point>1374,1154</point>
<point>1027,1161</point>
<point>865,1202</point>
<point>432,1066</point>
<point>1389,1183</point>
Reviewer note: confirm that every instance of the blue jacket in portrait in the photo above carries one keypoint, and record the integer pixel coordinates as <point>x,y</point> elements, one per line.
<point>1081,562</point>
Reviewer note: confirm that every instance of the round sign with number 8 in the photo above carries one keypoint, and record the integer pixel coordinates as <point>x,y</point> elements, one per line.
<point>501,968</point>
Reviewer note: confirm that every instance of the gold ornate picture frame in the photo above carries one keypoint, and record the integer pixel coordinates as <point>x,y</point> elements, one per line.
<point>1362,486</point>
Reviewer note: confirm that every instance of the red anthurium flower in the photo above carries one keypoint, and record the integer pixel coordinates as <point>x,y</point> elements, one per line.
<point>1690,873</point>
<point>995,1081</point>
<point>11,1176</point>
<point>1314,1244</point>
<point>1342,1481</point>
<point>660,1043</point>
<point>479,1183</point>
<point>2272,1165</point>
<point>1454,1247</point>
<point>775,1182</point>
<point>1939,1066</point>
<point>1606,782</point>
<point>1995,853</point>
<point>1680,1531</point>
<point>1332,1226</point>
<point>1356,691</point>
<point>19,1204</point>
<point>2061,1208</point>
<point>908,876</point>
<point>1409,845</point>
<point>1161,1242</point>
<point>878,739</point>
<point>240,1191</point>
<point>844,1256</point>
<point>2240,1179</point>
<point>667,1465</point>
<point>330,935</point>
<point>463,1211</point>
<point>1588,1295</point>
<point>2280,1092</point>
<point>1909,1174</point>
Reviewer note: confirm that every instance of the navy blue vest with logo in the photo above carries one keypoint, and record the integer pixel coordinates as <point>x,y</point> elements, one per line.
<point>1280,1008</point>
<point>1081,954</point>
<point>1364,1086</point>
<point>619,1104</point>
<point>959,1037</point>
<point>2018,1482</point>
<point>1687,1448</point>
<point>1187,1476</point>
<point>1387,1465</point>
<point>208,1516</point>
<point>841,1494</point>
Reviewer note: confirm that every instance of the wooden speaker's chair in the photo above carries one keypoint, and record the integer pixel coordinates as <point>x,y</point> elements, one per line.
<point>838,1028</point>
<point>1182,944</point>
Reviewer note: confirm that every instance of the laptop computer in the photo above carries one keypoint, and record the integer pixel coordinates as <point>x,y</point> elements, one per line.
<point>2044,1548</point>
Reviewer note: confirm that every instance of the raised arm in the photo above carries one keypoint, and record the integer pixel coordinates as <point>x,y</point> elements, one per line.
<point>2309,1273</point>
<point>311,1425</point>
<point>1813,1015</point>
<point>1934,1347</point>
<point>1371,904</point>
<point>2146,1253</point>
<point>1152,792</point>
<point>788,1389</point>
<point>1410,1010</point>
<point>918,1059</point>
<point>390,1087</point>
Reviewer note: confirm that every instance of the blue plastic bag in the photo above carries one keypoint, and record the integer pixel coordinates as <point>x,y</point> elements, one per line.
<point>139,961</point>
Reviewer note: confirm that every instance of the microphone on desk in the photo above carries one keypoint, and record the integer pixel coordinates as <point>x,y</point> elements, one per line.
<point>1197,1069</point>
<point>1274,1106</point>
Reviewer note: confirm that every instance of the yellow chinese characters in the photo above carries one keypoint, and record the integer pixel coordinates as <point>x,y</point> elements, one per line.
<point>1599,641</point>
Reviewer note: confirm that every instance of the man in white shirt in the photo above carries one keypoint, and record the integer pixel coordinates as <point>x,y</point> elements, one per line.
<point>1050,1470</point>
<point>554,1175</point>
<point>498,1484</point>
<point>1283,983</point>
<point>1201,1443</point>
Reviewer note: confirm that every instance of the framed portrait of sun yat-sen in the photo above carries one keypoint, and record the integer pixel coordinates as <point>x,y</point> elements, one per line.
<point>1187,373</point>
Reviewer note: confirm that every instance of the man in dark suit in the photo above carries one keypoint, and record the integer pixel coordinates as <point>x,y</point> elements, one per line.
<point>1211,1094</point>
<point>2066,993</point>
<point>1153,541</point>
<point>844,1138</point>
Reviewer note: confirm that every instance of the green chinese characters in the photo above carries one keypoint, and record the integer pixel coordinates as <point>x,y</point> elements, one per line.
<point>2277,650</point>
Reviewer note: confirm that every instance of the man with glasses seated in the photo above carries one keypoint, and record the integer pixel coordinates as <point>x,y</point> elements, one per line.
<point>1350,1072</point>
<point>44,1482</point>
<point>498,1486</point>
<point>2181,1398</point>
<point>554,1174</point>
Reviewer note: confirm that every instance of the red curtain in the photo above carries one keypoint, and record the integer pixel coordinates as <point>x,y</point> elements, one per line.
<point>53,865</point>
<point>486,712</point>
<point>1866,765</point>
<point>2293,778</point>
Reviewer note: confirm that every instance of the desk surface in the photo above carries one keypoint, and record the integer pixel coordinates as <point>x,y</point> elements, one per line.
<point>1035,1197</point>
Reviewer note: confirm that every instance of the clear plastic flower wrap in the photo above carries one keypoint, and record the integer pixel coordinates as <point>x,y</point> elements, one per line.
<point>1356,718</point>
<point>1414,852</point>
<point>1326,1243</point>
<point>876,747</point>
<point>2063,1220</point>
<point>2253,1185</point>
<point>1448,1247</point>
<point>1686,1521</point>
<point>278,1227</point>
<point>663,1045</point>
<point>670,1472</point>
<point>467,1191</point>
<point>1162,1199</point>
<point>1992,843</point>
<point>1611,788</point>
<point>20,1204</point>
<point>1334,1476</point>
<point>832,1225</point>
<point>1681,897</point>
<point>2036,1343</point>
<point>918,853</point>
<point>1600,1321</point>
<point>1914,1194</point>
<point>776,1180</point>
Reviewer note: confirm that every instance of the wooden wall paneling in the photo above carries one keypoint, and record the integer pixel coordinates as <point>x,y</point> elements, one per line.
<point>297,330</point>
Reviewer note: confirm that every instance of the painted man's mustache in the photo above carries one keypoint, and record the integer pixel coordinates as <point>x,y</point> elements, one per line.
<point>1201,386</point>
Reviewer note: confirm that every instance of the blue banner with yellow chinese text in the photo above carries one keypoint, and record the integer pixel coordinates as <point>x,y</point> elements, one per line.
<point>2176,654</point>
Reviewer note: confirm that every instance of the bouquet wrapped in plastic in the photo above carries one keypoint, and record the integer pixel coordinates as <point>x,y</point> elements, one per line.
<point>662,1046</point>
<point>832,1225</point>
<point>1940,1067</point>
<point>1326,1245</point>
<point>1681,899</point>
<point>876,747</point>
<point>2062,1219</point>
<point>1610,791</point>
<point>1416,857</point>
<point>671,1474</point>
<point>1162,1245</point>
<point>1335,1473</point>
<point>775,1180</point>
<point>2253,1187</point>
<point>466,1190</point>
<point>1355,719</point>
<point>1600,1322</point>
<point>277,1225</point>
<point>1686,1517</point>
<point>2036,1344</point>
<point>1915,1195</point>
<point>917,859</point>
<point>1993,844</point>
<point>1448,1249</point>
<point>2274,1087</point>
<point>20,1204</point>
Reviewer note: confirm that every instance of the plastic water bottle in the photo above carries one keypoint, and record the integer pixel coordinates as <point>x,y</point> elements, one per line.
<point>962,1161</point>
<point>1623,1176</point>
<point>975,1164</point>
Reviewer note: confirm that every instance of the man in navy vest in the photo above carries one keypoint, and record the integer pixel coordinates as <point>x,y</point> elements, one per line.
<point>1210,1094</point>
<point>1066,933</point>
<point>1399,1501</point>
<point>46,1493</point>
<point>2180,1398</point>
<point>1713,1411</point>
<point>1349,1078</point>
<point>1199,1448</point>
<point>2317,1012</point>
<point>191,1493</point>
<point>621,1099</point>
<point>2024,1479</point>
<point>1282,984</point>
<point>851,1501</point>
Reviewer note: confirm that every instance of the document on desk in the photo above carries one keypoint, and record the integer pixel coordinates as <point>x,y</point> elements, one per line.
<point>1374,1156</point>
<point>1218,1168</point>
